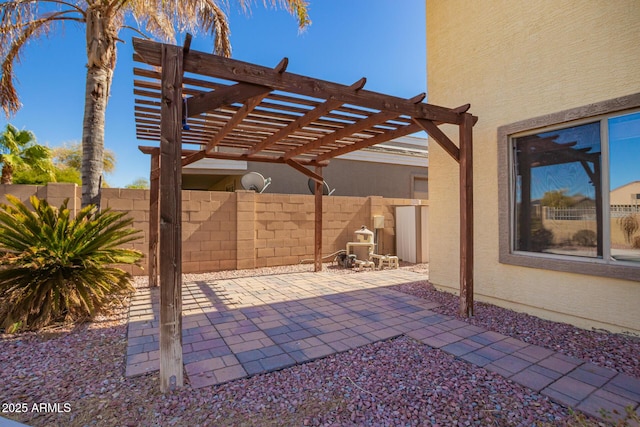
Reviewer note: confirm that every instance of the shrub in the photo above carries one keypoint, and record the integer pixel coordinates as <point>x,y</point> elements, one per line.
<point>585,238</point>
<point>629,225</point>
<point>541,239</point>
<point>57,268</point>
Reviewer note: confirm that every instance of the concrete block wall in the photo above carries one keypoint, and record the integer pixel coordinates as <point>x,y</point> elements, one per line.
<point>54,193</point>
<point>241,230</point>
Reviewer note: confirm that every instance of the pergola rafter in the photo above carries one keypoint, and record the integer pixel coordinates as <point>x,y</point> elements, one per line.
<point>199,105</point>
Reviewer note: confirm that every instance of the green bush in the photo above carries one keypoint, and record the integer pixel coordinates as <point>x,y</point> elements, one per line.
<point>541,239</point>
<point>56,268</point>
<point>585,238</point>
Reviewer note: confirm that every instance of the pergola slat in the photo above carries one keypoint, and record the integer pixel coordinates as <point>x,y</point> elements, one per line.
<point>296,124</point>
<point>345,131</point>
<point>238,117</point>
<point>302,121</point>
<point>383,137</point>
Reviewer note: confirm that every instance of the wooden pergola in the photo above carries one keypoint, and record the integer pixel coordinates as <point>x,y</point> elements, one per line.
<point>198,105</point>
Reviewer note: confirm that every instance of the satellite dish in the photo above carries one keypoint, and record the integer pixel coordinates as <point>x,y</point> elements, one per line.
<point>254,181</point>
<point>325,187</point>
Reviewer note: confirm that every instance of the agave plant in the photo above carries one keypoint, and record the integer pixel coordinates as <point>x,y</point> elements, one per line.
<point>57,268</point>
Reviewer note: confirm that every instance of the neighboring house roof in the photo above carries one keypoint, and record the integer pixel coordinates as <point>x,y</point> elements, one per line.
<point>627,194</point>
<point>407,150</point>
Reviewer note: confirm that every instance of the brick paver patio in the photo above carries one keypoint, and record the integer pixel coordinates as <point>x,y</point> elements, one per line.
<point>234,328</point>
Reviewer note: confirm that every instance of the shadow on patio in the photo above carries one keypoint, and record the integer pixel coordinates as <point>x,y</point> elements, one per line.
<point>234,328</point>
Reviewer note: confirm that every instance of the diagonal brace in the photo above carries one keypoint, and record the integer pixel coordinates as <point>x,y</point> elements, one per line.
<point>297,166</point>
<point>440,137</point>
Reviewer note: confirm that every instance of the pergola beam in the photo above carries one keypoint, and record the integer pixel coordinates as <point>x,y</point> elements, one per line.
<point>244,111</point>
<point>238,117</point>
<point>230,69</point>
<point>223,155</point>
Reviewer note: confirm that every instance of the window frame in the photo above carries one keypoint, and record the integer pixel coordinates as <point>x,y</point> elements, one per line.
<point>506,223</point>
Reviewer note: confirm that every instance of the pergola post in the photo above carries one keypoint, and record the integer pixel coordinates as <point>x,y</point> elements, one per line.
<point>171,368</point>
<point>319,187</point>
<point>464,156</point>
<point>466,215</point>
<point>154,217</point>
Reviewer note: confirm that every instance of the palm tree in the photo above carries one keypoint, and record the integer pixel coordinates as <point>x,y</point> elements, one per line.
<point>24,20</point>
<point>18,149</point>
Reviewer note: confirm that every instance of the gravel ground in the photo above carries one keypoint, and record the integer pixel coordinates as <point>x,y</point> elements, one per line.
<point>614,351</point>
<point>79,372</point>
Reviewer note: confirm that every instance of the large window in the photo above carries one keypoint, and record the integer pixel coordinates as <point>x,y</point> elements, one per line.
<point>558,191</point>
<point>570,196</point>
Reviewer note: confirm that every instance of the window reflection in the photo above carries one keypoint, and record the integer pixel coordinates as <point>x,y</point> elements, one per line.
<point>624,176</point>
<point>558,192</point>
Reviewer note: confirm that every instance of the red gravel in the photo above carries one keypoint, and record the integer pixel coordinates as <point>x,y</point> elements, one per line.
<point>398,382</point>
<point>614,351</point>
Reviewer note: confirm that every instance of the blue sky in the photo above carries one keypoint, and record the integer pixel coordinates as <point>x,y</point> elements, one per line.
<point>624,150</point>
<point>382,40</point>
<point>624,153</point>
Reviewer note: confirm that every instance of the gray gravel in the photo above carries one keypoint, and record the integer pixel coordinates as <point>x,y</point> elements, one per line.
<point>398,382</point>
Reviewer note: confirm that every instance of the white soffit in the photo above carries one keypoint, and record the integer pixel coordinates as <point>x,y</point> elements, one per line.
<point>215,165</point>
<point>408,151</point>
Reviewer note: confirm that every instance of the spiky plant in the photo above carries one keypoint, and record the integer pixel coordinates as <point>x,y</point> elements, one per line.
<point>57,268</point>
<point>629,225</point>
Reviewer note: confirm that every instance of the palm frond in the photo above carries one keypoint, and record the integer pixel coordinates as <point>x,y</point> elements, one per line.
<point>20,22</point>
<point>60,268</point>
<point>299,9</point>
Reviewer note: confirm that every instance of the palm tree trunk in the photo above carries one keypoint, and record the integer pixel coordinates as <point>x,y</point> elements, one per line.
<point>101,59</point>
<point>96,95</point>
<point>7,174</point>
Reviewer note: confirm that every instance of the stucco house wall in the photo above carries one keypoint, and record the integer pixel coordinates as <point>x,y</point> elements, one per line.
<point>513,62</point>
